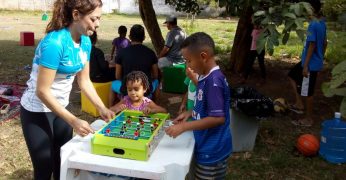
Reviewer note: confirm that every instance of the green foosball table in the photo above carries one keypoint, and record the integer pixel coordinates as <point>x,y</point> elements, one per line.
<point>130,135</point>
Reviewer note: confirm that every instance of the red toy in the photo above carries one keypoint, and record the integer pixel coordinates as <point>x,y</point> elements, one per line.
<point>128,121</point>
<point>308,144</point>
<point>27,39</point>
<point>108,131</point>
<point>136,134</point>
<point>156,124</point>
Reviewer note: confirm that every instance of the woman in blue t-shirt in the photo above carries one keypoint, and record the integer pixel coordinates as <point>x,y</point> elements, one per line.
<point>60,56</point>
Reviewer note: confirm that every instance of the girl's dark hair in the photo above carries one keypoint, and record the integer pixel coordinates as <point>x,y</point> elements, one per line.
<point>122,30</point>
<point>139,76</point>
<point>62,12</point>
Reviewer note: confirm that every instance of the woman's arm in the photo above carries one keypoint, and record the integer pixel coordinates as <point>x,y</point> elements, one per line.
<point>88,89</point>
<point>45,80</point>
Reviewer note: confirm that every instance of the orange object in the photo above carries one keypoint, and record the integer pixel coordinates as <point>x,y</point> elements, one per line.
<point>27,39</point>
<point>308,144</point>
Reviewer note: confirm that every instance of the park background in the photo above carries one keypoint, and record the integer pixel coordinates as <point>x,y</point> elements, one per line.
<point>274,156</point>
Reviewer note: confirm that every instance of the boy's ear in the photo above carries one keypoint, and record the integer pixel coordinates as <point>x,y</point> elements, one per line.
<point>204,55</point>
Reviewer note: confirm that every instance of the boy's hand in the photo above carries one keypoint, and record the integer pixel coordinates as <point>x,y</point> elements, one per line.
<point>182,108</point>
<point>189,73</point>
<point>305,72</point>
<point>182,117</point>
<point>175,130</point>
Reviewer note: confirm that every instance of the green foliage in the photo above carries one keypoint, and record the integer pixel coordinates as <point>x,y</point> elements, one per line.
<point>290,15</point>
<point>337,85</point>
<point>333,8</point>
<point>188,6</point>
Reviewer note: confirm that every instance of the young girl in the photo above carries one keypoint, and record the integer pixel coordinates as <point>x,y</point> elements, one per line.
<point>252,57</point>
<point>137,84</point>
<point>120,42</point>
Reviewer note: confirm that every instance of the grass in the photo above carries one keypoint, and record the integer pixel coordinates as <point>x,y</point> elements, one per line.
<point>274,156</point>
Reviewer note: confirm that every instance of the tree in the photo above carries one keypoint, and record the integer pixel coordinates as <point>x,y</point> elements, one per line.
<point>149,19</point>
<point>242,40</point>
<point>270,15</point>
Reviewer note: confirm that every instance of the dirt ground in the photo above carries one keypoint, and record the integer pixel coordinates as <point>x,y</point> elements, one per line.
<point>275,132</point>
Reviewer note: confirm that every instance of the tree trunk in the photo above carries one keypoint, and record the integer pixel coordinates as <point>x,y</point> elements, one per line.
<point>148,16</point>
<point>242,41</point>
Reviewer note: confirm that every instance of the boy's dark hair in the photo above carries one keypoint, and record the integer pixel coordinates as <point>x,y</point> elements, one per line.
<point>93,38</point>
<point>197,41</point>
<point>137,33</point>
<point>316,5</point>
<point>138,76</point>
<point>122,30</point>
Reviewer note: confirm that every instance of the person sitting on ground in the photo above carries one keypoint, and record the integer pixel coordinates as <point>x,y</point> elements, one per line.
<point>136,57</point>
<point>171,53</point>
<point>210,115</point>
<point>120,42</point>
<point>137,84</point>
<point>304,74</point>
<point>100,70</point>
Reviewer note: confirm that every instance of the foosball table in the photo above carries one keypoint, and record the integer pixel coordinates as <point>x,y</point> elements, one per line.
<point>130,135</point>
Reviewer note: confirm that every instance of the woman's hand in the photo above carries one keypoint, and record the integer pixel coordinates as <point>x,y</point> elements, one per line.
<point>81,127</point>
<point>106,114</point>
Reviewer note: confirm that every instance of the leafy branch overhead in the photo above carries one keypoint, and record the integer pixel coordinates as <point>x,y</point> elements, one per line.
<point>188,6</point>
<point>270,16</point>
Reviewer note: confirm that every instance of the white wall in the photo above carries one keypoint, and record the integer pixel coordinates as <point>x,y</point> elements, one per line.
<point>26,4</point>
<point>121,6</point>
<point>131,7</point>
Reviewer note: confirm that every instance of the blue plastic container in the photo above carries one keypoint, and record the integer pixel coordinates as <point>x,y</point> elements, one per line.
<point>333,140</point>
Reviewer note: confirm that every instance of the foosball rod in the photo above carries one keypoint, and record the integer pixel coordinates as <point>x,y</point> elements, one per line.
<point>137,117</point>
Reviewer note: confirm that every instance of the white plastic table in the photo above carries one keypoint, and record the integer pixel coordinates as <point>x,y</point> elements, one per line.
<point>169,161</point>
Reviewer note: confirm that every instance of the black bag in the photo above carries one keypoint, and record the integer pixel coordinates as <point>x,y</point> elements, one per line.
<point>249,101</point>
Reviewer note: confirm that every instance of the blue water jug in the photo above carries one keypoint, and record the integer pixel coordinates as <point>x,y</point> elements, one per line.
<point>333,140</point>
